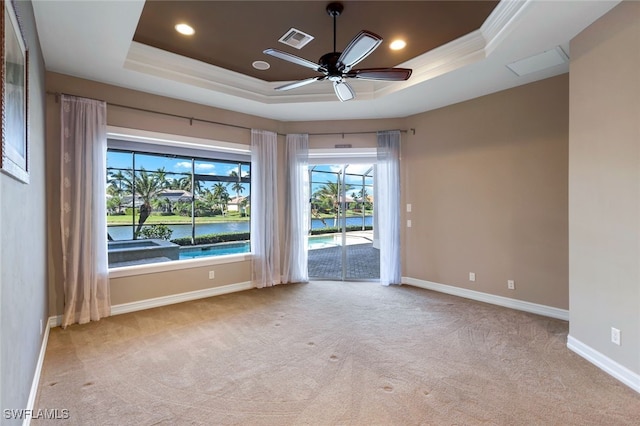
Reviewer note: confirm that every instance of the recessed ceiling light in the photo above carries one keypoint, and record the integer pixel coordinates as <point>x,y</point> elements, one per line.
<point>397,44</point>
<point>185,29</point>
<point>261,65</point>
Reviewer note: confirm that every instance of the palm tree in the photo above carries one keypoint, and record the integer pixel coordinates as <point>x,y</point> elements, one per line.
<point>161,175</point>
<point>184,183</point>
<point>330,194</point>
<point>237,186</point>
<point>364,198</point>
<point>146,186</point>
<point>115,197</point>
<point>221,196</point>
<point>115,180</point>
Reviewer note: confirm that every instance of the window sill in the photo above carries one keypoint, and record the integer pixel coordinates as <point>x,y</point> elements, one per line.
<point>176,265</point>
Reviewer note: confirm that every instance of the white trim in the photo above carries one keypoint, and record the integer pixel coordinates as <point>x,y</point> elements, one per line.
<point>605,363</point>
<point>33,393</point>
<point>158,138</point>
<point>176,265</point>
<point>521,305</point>
<point>505,17</point>
<point>141,305</point>
<point>349,155</point>
<point>156,302</point>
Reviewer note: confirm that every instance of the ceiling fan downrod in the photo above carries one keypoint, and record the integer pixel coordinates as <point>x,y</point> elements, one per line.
<point>334,10</point>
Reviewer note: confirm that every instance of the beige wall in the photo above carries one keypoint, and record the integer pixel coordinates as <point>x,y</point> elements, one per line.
<point>23,264</point>
<point>604,185</point>
<point>487,180</point>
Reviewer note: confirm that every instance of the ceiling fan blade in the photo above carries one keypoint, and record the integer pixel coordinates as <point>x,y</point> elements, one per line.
<point>294,59</point>
<point>344,92</point>
<point>299,83</point>
<point>360,47</point>
<point>385,74</point>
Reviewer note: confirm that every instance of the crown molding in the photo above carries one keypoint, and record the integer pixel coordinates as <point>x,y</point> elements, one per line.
<point>458,53</point>
<point>499,23</point>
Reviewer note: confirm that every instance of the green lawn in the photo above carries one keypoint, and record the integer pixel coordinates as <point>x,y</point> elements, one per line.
<point>173,219</point>
<point>176,219</point>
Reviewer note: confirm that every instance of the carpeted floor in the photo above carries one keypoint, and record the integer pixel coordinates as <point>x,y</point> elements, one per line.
<point>328,353</point>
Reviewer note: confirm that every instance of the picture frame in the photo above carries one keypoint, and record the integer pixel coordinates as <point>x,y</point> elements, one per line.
<point>15,96</point>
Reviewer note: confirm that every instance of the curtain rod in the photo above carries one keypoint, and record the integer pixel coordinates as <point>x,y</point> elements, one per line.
<point>202,120</point>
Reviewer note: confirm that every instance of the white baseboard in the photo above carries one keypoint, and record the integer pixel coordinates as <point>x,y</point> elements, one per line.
<point>33,393</point>
<point>521,305</point>
<point>605,363</point>
<point>125,308</point>
<point>140,305</point>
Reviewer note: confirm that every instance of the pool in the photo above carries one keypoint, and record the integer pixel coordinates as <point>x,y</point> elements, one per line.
<point>324,241</point>
<point>215,250</point>
<point>245,247</point>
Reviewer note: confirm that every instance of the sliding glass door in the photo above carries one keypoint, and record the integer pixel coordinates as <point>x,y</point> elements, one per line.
<point>341,244</point>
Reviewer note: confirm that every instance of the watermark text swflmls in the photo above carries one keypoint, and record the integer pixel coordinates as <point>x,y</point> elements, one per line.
<point>41,413</point>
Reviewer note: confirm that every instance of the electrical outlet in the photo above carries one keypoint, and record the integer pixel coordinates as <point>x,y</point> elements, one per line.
<point>472,276</point>
<point>408,223</point>
<point>615,336</point>
<point>511,284</point>
<point>41,327</point>
<point>408,208</point>
<point>212,275</point>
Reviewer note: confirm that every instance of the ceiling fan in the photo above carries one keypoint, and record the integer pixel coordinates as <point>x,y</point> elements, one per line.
<point>337,66</point>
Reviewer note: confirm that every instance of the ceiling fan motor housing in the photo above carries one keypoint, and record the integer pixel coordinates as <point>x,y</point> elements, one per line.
<point>329,61</point>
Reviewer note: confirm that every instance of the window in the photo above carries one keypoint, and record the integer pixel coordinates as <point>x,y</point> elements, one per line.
<point>170,202</point>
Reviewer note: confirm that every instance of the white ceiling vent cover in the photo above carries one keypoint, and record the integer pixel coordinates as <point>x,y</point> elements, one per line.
<point>539,62</point>
<point>296,38</point>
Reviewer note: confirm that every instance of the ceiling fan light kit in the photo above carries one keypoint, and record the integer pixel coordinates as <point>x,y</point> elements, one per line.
<point>337,66</point>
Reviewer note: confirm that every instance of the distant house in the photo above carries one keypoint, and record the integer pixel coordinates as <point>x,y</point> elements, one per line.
<point>235,204</point>
<point>175,196</point>
<point>167,197</point>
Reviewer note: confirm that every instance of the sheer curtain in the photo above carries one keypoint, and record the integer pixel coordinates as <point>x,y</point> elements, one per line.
<point>296,210</point>
<point>83,216</point>
<point>388,205</point>
<point>265,242</point>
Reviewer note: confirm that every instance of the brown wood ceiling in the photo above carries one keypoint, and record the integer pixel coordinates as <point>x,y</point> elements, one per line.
<point>233,34</point>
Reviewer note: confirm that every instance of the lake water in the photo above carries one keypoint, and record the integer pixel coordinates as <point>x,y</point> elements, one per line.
<point>125,232</point>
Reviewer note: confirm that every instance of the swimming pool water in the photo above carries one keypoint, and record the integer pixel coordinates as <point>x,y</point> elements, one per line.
<point>217,250</point>
<point>244,247</point>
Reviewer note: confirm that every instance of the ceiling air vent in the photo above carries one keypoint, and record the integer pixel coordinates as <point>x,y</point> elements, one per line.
<point>539,62</point>
<point>295,38</point>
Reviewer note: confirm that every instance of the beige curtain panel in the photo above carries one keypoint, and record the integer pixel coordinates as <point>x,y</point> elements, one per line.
<point>83,203</point>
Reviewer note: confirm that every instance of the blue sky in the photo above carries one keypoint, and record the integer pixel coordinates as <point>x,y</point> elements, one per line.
<point>179,167</point>
<point>319,178</point>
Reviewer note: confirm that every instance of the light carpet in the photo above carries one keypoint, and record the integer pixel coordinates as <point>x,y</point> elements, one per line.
<point>327,353</point>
